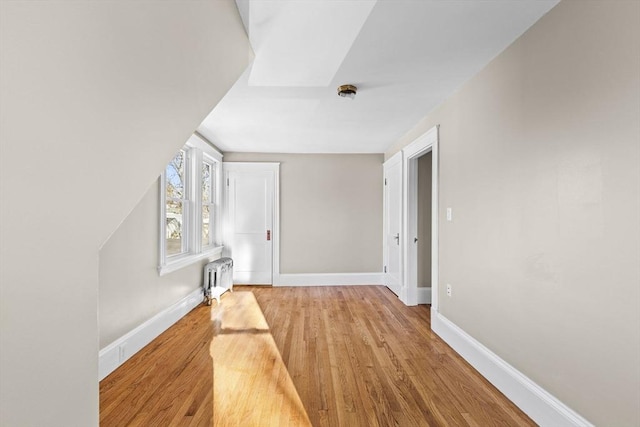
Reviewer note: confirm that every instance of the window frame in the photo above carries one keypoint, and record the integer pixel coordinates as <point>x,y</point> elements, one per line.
<point>214,201</point>
<point>197,150</point>
<point>185,201</point>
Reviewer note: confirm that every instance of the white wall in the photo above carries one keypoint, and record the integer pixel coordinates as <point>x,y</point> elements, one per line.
<point>540,161</point>
<point>130,289</point>
<point>330,211</point>
<point>96,98</point>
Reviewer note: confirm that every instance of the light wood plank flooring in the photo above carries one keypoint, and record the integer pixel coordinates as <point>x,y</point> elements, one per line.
<point>355,354</point>
<point>251,384</point>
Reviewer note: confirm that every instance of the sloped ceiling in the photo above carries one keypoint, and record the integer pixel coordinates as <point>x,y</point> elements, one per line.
<point>405,57</point>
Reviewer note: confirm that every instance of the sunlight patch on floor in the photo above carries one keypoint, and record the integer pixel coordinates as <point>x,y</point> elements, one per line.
<point>251,384</point>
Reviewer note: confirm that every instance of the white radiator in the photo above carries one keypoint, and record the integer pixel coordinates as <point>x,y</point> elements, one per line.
<point>218,278</point>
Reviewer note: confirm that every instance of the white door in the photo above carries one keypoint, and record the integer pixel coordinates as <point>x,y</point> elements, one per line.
<point>393,223</point>
<point>249,221</point>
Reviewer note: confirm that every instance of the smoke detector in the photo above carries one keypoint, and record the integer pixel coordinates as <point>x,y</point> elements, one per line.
<point>347,91</point>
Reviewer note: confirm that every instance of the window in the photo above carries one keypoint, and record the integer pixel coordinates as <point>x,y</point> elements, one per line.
<point>208,201</point>
<point>189,206</point>
<point>176,204</point>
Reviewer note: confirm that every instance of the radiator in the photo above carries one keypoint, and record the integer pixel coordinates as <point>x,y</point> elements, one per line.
<point>218,278</point>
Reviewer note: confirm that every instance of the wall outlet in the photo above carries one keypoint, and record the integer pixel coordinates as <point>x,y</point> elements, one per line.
<point>449,214</point>
<point>448,290</point>
<point>121,352</point>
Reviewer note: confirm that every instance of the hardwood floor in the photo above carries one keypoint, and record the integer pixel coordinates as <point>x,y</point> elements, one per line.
<point>167,383</point>
<point>251,384</point>
<point>355,354</point>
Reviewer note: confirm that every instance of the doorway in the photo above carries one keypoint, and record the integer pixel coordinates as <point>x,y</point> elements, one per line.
<point>251,221</point>
<point>423,235</point>
<point>422,152</point>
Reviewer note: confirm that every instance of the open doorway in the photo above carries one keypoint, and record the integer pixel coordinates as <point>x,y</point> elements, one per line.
<point>420,171</point>
<point>423,236</point>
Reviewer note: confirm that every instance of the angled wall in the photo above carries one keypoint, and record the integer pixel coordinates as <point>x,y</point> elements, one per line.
<point>131,290</point>
<point>96,98</point>
<point>540,162</point>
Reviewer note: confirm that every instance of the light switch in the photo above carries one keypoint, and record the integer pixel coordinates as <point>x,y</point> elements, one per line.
<point>449,214</point>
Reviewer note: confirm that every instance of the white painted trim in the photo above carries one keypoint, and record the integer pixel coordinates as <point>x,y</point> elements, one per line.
<point>423,295</point>
<point>275,272</point>
<point>275,227</point>
<point>255,166</point>
<point>119,351</point>
<point>330,279</point>
<point>196,148</point>
<point>425,143</point>
<point>205,146</point>
<point>435,232</point>
<point>544,408</point>
<point>189,259</point>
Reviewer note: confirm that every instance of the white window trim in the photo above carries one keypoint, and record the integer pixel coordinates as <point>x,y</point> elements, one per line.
<point>216,164</point>
<point>196,148</point>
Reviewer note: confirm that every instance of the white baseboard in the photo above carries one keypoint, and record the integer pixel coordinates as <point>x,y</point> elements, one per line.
<point>328,279</point>
<point>424,295</point>
<point>536,402</point>
<point>119,351</point>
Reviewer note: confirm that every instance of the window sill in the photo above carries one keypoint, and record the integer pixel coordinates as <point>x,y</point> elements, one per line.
<point>189,259</point>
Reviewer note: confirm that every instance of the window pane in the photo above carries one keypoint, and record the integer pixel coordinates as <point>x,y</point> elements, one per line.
<point>173,230</point>
<point>205,225</point>
<point>175,177</point>
<point>206,183</point>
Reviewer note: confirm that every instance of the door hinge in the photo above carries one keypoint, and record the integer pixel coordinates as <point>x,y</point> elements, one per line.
<point>227,182</point>
<point>385,268</point>
<point>385,181</point>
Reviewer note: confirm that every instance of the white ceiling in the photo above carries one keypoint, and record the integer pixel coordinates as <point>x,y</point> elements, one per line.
<point>405,57</point>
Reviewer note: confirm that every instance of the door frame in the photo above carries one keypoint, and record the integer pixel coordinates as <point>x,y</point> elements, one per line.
<point>273,167</point>
<point>392,161</point>
<point>410,154</point>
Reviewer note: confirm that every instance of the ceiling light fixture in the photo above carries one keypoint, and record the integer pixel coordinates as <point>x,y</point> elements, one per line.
<point>347,91</point>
